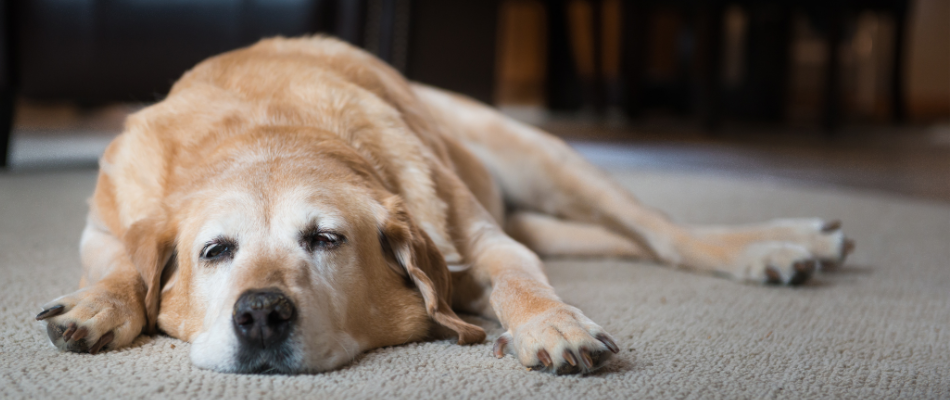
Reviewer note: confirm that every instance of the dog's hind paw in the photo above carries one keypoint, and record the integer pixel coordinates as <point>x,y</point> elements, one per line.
<point>91,320</point>
<point>834,246</point>
<point>783,251</point>
<point>785,263</point>
<point>561,341</point>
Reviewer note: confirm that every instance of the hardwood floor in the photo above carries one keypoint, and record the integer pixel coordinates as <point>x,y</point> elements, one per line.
<point>909,161</point>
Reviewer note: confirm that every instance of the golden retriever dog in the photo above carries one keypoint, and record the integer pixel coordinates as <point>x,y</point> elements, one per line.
<point>292,204</point>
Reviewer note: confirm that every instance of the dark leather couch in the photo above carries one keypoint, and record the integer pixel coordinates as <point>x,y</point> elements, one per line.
<point>97,51</point>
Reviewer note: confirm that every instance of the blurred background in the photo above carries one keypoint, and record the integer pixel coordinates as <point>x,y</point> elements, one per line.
<point>832,92</point>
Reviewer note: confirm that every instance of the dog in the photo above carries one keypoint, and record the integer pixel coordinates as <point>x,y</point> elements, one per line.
<point>292,204</point>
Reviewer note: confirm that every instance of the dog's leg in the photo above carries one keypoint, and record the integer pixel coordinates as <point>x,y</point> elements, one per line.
<point>542,331</point>
<point>107,312</point>
<point>542,173</point>
<point>553,237</point>
<point>539,172</point>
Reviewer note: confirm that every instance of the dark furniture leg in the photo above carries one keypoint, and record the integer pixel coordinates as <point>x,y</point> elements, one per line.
<point>349,21</point>
<point>898,107</point>
<point>633,54</point>
<point>710,47</point>
<point>563,89</point>
<point>7,93</point>
<point>452,45</point>
<point>762,95</point>
<point>832,97</point>
<point>6,125</point>
<point>598,89</point>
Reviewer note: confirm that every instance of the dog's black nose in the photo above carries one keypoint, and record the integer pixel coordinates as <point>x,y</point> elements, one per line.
<point>263,318</point>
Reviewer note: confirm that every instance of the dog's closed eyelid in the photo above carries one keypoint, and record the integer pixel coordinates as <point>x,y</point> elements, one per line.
<point>218,249</point>
<point>313,240</point>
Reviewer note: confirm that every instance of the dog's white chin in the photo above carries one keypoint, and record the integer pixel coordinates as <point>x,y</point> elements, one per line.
<point>329,352</point>
<point>216,349</point>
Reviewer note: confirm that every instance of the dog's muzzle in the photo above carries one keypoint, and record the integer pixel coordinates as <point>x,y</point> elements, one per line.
<point>263,319</point>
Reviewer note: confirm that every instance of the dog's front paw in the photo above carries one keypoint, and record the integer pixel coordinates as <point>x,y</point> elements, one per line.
<point>91,320</point>
<point>561,341</point>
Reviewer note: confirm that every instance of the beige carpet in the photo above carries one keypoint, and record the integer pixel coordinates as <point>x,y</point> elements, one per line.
<point>878,328</point>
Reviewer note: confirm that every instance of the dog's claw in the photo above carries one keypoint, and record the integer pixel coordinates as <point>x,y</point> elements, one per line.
<point>69,331</point>
<point>545,358</point>
<point>805,266</point>
<point>50,312</point>
<point>848,247</point>
<point>499,348</point>
<point>585,357</point>
<point>772,275</point>
<point>80,334</point>
<point>569,357</point>
<point>803,270</point>
<point>607,341</point>
<point>831,226</point>
<point>103,341</point>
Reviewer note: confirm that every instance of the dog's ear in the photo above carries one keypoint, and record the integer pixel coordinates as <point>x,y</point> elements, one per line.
<point>418,259</point>
<point>149,243</point>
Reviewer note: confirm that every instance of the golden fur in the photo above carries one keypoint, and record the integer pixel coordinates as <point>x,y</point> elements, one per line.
<point>258,146</point>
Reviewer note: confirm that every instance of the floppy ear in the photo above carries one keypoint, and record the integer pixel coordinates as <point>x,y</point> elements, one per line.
<point>420,260</point>
<point>149,243</point>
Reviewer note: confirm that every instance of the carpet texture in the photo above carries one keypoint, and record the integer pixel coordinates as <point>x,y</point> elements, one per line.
<point>877,328</point>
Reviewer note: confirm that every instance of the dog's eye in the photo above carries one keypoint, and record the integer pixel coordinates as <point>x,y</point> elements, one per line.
<point>321,240</point>
<point>217,250</point>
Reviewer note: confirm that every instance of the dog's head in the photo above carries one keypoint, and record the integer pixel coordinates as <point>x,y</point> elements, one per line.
<point>290,255</point>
